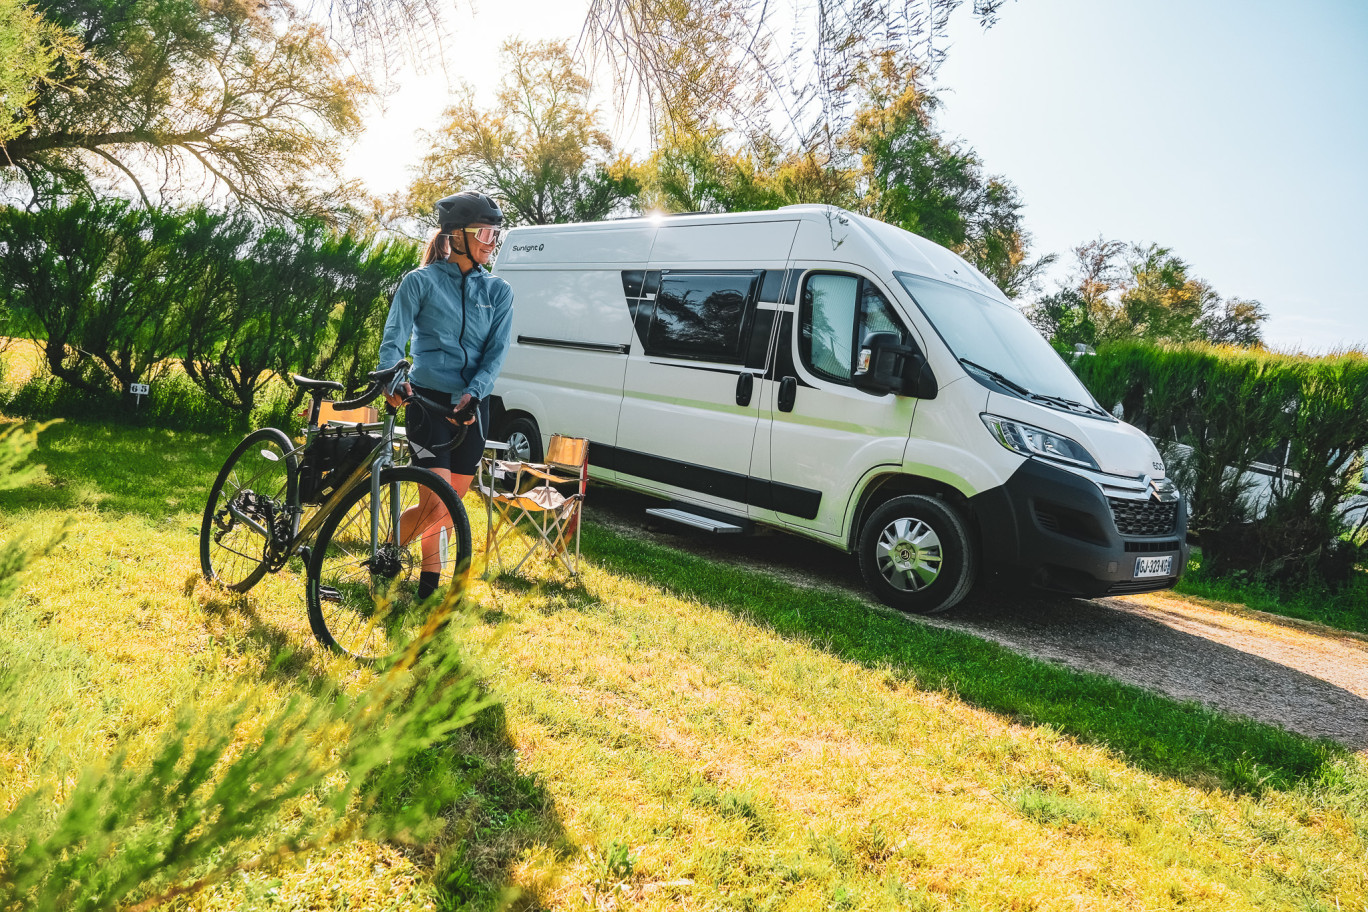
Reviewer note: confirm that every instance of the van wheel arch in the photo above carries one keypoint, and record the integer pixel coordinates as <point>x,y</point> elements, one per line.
<point>886,487</point>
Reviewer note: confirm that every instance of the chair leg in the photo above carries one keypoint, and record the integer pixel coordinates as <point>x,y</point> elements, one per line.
<point>539,524</point>
<point>502,525</point>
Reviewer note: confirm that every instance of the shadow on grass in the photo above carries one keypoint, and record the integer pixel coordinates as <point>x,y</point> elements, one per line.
<point>1182,740</point>
<point>495,813</point>
<point>153,472</point>
<point>289,663</point>
<point>560,594</point>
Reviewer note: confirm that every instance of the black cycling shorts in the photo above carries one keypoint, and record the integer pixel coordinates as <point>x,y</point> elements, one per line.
<point>426,431</point>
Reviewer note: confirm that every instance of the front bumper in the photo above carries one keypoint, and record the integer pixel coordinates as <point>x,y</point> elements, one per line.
<point>1056,530</point>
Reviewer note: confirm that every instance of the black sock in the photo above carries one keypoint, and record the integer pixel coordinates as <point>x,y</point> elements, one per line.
<point>427,583</point>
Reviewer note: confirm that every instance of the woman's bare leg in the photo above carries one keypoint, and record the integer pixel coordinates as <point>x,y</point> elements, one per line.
<point>428,518</point>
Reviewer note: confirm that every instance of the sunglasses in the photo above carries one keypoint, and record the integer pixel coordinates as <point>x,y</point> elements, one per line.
<point>485,234</point>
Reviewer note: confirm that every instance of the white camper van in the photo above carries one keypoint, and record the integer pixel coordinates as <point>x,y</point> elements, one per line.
<point>838,378</point>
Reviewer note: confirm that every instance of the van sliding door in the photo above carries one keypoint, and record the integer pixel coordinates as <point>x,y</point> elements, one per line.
<point>689,407</point>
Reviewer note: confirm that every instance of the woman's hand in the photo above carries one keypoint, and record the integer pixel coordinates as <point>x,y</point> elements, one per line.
<point>397,398</point>
<point>465,402</point>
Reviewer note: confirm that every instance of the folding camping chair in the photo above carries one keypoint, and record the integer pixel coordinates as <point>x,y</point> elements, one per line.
<point>549,496</point>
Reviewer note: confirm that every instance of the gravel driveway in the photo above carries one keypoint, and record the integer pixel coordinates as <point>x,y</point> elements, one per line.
<point>1303,677</point>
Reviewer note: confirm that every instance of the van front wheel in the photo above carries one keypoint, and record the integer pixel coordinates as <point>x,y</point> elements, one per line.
<point>916,555</point>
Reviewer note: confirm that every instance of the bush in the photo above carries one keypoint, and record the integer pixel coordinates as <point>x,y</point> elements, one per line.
<point>116,294</point>
<point>1215,411</point>
<point>175,402</point>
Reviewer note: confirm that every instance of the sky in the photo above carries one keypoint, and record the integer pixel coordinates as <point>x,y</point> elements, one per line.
<point>1234,132</point>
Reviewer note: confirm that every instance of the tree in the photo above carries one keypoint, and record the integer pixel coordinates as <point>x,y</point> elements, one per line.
<point>1234,321</point>
<point>359,277</point>
<point>51,275</point>
<point>1142,292</point>
<point>1160,302</point>
<point>268,321</point>
<point>697,172</point>
<point>717,57</point>
<point>912,176</point>
<point>541,149</point>
<point>246,98</point>
<point>31,47</point>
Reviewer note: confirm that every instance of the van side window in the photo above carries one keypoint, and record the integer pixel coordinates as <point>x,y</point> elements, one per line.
<point>837,312</point>
<point>701,315</point>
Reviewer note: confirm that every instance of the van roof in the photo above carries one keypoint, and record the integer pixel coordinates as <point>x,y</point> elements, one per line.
<point>629,240</point>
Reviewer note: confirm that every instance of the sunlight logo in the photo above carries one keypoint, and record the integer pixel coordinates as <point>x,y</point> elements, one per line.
<point>528,248</point>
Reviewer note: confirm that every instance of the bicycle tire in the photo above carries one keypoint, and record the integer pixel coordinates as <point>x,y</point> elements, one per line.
<point>365,603</point>
<point>232,554</point>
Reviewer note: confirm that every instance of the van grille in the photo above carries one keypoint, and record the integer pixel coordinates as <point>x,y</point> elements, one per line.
<point>1144,517</point>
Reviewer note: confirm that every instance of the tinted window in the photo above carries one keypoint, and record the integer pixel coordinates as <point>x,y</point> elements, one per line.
<point>700,316</point>
<point>838,311</point>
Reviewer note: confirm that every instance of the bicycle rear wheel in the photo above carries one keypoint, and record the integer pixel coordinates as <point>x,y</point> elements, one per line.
<point>253,491</point>
<point>363,596</point>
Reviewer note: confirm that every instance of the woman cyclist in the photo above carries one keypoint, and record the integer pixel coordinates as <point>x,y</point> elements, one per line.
<point>455,319</point>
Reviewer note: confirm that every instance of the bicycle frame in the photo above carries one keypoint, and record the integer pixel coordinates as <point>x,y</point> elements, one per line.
<point>381,458</point>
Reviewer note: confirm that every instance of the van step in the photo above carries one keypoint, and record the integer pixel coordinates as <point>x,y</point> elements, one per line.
<point>706,523</point>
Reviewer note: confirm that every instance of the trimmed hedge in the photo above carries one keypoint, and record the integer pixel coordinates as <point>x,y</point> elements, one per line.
<point>1216,411</point>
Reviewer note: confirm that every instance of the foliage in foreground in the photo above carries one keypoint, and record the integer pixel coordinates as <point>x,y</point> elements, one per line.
<point>199,808</point>
<point>230,787</point>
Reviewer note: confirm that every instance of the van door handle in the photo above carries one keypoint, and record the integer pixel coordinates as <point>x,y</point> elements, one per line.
<point>788,391</point>
<point>745,385</point>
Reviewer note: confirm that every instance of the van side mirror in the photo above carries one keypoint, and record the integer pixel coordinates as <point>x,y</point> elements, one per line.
<point>885,365</point>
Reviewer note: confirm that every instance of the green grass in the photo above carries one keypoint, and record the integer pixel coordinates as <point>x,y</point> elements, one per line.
<point>1345,607</point>
<point>674,734</point>
<point>1183,740</point>
<point>111,639</point>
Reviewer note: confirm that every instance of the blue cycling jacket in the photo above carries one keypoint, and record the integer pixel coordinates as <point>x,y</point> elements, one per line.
<point>456,328</point>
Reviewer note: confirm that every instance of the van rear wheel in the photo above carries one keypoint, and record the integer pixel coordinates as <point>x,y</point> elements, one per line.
<point>916,554</point>
<point>523,439</point>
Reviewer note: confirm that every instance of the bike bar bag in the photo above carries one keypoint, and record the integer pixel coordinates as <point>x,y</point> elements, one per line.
<point>335,453</point>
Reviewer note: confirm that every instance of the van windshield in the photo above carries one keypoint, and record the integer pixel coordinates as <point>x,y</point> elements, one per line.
<point>993,340</point>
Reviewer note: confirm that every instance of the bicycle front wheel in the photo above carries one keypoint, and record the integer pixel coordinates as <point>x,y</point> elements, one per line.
<point>252,494</point>
<point>366,590</point>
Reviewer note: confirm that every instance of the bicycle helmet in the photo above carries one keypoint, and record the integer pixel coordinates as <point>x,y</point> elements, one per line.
<point>469,207</point>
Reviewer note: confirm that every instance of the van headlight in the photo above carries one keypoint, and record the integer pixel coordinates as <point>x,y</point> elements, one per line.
<point>1033,441</point>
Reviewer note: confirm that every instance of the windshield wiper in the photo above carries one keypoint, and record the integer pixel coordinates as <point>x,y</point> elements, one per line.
<point>989,372</point>
<point>1028,394</point>
<point>1070,403</point>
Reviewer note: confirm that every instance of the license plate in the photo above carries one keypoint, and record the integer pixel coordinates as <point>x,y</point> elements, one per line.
<point>1154,566</point>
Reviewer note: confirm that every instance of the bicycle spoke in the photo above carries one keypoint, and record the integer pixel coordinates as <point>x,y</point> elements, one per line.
<point>254,485</point>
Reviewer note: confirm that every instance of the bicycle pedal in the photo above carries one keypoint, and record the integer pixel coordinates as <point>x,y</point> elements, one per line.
<point>329,594</point>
